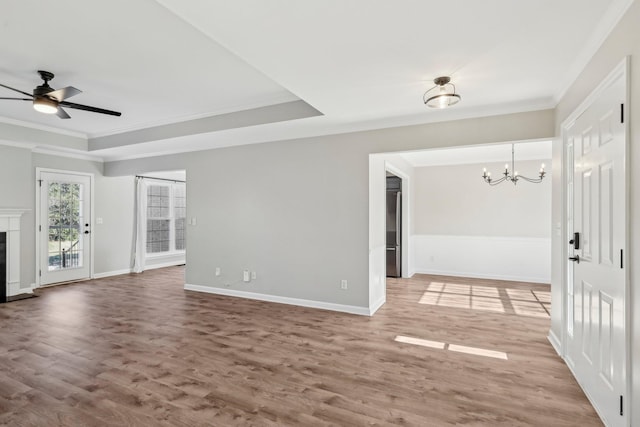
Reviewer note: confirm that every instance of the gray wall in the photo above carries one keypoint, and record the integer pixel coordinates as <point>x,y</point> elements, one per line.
<point>623,41</point>
<point>113,201</point>
<point>454,200</point>
<point>296,212</point>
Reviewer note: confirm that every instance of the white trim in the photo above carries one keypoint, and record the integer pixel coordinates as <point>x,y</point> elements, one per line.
<point>483,276</point>
<point>586,393</point>
<point>111,273</point>
<point>352,309</point>
<point>164,264</point>
<point>169,254</point>
<point>68,154</point>
<point>53,151</point>
<point>45,128</point>
<point>38,215</point>
<point>555,343</point>
<point>620,71</point>
<point>376,306</point>
<point>13,212</point>
<point>14,289</point>
<point>406,256</point>
<point>609,21</point>
<point>485,238</point>
<point>10,223</point>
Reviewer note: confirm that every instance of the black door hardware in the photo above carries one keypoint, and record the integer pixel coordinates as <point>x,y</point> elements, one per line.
<point>575,241</point>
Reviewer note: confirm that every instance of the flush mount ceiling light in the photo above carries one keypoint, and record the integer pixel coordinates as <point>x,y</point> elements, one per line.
<point>444,96</point>
<point>512,176</point>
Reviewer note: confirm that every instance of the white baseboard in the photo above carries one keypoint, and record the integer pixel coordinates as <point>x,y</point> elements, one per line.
<point>377,305</point>
<point>130,270</point>
<point>484,276</point>
<point>111,273</point>
<point>14,289</point>
<point>163,264</point>
<point>352,309</point>
<point>555,342</point>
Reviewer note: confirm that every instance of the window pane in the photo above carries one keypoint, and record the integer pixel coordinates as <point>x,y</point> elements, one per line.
<point>180,213</point>
<point>158,201</point>
<point>157,235</point>
<point>180,240</point>
<point>64,217</point>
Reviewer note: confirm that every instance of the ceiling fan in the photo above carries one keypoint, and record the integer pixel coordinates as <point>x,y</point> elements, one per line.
<point>50,101</point>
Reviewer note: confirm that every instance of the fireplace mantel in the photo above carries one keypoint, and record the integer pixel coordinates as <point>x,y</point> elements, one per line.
<point>10,224</point>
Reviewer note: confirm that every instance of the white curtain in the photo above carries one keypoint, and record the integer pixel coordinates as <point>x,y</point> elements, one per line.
<point>141,226</point>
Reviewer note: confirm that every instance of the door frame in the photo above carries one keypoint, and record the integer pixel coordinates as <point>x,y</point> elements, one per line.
<point>91,177</point>
<point>622,70</point>
<point>405,218</point>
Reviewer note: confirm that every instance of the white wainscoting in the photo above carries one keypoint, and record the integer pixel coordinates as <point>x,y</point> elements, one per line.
<point>525,259</point>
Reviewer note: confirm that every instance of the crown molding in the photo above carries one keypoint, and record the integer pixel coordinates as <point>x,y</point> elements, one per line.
<point>41,127</point>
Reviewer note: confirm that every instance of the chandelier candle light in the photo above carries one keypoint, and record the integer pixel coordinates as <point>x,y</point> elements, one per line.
<point>512,176</point>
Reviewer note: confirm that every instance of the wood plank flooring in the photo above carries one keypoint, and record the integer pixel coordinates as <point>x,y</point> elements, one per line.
<point>138,350</point>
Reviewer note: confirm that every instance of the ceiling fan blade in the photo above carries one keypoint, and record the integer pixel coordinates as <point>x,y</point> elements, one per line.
<point>16,90</point>
<point>62,114</point>
<point>20,99</point>
<point>64,93</point>
<point>88,108</point>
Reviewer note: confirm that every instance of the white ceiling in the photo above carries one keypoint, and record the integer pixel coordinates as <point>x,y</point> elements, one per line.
<point>483,154</point>
<point>364,64</point>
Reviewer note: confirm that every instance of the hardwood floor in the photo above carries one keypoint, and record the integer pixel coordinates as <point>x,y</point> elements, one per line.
<point>138,350</point>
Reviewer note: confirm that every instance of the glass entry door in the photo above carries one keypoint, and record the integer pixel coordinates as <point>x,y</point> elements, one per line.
<point>64,228</point>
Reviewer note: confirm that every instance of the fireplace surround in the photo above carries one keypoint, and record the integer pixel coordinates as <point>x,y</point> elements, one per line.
<point>10,228</point>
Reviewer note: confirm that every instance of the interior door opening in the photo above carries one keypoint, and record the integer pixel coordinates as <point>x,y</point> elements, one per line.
<point>394,225</point>
<point>431,212</point>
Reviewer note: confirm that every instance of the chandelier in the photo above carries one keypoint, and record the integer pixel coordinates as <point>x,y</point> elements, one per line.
<point>512,176</point>
<point>445,95</point>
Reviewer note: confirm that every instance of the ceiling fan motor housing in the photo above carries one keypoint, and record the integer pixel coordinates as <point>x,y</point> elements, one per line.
<point>44,88</point>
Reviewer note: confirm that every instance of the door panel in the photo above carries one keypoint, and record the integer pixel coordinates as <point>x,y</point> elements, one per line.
<point>64,227</point>
<point>596,349</point>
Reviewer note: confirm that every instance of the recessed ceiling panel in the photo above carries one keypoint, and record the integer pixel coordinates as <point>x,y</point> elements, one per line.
<point>131,56</point>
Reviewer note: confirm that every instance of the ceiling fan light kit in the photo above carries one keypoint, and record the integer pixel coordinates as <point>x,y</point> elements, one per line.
<point>442,95</point>
<point>48,100</point>
<point>45,105</point>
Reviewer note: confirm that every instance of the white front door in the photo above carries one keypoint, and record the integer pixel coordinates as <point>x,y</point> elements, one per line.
<point>64,227</point>
<point>596,324</point>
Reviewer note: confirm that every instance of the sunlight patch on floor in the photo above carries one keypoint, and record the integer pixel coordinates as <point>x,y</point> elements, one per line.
<point>451,347</point>
<point>488,298</point>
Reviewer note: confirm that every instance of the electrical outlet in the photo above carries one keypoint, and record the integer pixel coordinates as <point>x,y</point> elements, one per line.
<point>245,276</point>
<point>343,284</point>
<point>253,275</point>
<point>217,271</point>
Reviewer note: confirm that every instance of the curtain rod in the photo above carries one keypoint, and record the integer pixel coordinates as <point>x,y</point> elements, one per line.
<point>161,179</point>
